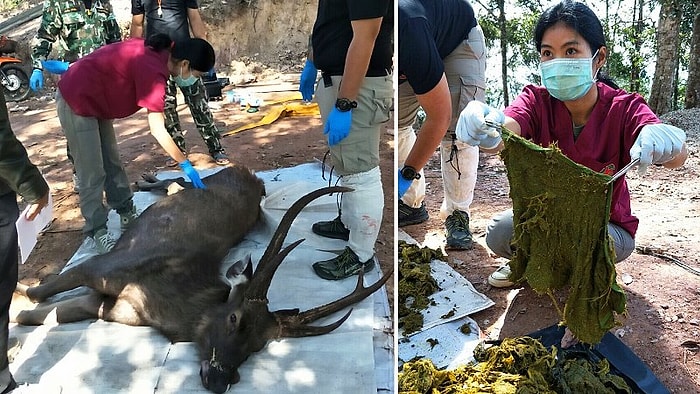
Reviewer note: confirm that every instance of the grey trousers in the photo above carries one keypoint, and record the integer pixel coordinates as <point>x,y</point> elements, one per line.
<point>499,234</point>
<point>93,145</point>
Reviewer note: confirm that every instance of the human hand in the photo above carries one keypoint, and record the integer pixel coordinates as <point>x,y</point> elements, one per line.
<point>36,207</point>
<point>473,129</point>
<point>657,144</point>
<point>308,80</point>
<point>404,183</point>
<point>55,66</point>
<point>36,81</point>
<point>192,174</point>
<point>337,125</point>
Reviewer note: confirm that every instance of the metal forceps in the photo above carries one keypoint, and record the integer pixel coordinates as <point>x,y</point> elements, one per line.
<point>623,170</point>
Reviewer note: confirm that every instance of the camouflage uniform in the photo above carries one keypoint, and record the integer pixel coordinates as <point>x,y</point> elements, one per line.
<point>195,97</point>
<point>78,29</point>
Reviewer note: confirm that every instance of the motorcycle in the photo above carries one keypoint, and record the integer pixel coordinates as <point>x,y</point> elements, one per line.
<point>13,77</point>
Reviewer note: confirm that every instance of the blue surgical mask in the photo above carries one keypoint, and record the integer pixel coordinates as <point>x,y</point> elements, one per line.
<point>568,79</point>
<point>185,82</point>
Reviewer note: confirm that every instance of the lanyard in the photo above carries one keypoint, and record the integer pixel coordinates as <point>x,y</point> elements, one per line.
<point>160,10</point>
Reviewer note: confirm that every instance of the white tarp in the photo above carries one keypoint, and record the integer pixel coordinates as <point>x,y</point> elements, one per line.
<point>100,357</point>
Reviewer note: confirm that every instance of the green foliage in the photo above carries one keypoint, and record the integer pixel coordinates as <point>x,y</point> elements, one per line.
<point>8,5</point>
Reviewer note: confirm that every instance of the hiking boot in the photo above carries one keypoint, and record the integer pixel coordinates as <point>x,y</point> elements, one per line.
<point>458,235</point>
<point>345,265</point>
<point>127,218</point>
<point>103,242</point>
<point>499,278</point>
<point>331,229</point>
<point>409,215</point>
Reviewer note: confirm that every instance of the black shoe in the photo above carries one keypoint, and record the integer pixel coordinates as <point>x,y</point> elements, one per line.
<point>10,386</point>
<point>332,229</point>
<point>458,235</point>
<point>409,215</point>
<point>345,265</point>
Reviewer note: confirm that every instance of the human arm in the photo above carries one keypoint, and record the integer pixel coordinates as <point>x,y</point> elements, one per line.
<point>17,173</point>
<point>365,32</point>
<point>136,30</point>
<point>475,126</point>
<point>156,123</point>
<point>113,33</point>
<point>196,23</point>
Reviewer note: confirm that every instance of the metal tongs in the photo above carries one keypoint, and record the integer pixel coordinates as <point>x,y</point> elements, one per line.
<point>623,170</point>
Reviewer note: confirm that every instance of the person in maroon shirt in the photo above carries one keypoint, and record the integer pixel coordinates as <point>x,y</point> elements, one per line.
<point>591,120</point>
<point>113,82</point>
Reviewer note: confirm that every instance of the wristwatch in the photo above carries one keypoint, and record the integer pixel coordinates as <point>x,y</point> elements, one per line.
<point>409,173</point>
<point>345,105</point>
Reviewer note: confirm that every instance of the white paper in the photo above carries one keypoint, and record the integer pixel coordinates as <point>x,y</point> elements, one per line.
<point>28,231</point>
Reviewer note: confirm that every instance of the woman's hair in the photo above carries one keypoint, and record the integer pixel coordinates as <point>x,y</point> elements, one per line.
<point>199,52</point>
<point>580,18</point>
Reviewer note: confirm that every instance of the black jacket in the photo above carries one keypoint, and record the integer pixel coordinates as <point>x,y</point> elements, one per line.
<point>17,173</point>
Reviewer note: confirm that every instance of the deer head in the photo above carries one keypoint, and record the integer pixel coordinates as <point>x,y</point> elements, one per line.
<point>244,325</point>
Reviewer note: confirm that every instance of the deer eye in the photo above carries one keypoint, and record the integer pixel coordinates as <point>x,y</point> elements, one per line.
<point>232,318</point>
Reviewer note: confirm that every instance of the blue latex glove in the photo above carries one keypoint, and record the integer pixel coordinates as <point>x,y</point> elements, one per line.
<point>55,66</point>
<point>192,174</point>
<point>308,80</point>
<point>36,81</point>
<point>337,125</point>
<point>404,183</point>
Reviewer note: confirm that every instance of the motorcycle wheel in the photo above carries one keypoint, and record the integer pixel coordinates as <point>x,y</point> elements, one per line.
<point>15,82</point>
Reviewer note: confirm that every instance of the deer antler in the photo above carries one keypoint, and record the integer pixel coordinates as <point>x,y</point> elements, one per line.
<point>272,258</point>
<point>294,325</point>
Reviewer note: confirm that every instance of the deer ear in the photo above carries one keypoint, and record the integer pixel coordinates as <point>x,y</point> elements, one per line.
<point>241,267</point>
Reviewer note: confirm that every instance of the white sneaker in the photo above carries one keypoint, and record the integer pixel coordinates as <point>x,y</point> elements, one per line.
<point>103,241</point>
<point>499,278</point>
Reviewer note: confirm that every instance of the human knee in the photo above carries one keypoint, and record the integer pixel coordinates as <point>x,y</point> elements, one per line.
<point>499,234</point>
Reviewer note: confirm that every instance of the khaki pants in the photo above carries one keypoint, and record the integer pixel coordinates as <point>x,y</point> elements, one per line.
<point>465,70</point>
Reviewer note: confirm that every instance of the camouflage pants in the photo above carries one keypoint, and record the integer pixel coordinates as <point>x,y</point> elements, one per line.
<point>195,98</point>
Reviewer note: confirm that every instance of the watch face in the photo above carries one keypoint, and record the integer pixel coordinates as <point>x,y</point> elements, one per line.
<point>344,104</point>
<point>408,173</point>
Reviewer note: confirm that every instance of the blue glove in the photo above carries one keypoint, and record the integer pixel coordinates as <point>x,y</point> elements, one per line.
<point>404,184</point>
<point>337,125</point>
<point>308,80</point>
<point>192,174</point>
<point>55,66</point>
<point>36,81</point>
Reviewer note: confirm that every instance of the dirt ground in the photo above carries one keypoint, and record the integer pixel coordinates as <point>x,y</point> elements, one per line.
<point>661,325</point>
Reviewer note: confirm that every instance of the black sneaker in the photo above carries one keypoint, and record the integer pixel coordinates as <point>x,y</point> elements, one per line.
<point>409,215</point>
<point>332,229</point>
<point>458,235</point>
<point>345,265</point>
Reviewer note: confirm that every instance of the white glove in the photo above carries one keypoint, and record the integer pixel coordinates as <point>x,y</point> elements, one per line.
<point>657,144</point>
<point>472,128</point>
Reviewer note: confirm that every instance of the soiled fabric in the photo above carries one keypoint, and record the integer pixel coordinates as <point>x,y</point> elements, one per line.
<point>560,211</point>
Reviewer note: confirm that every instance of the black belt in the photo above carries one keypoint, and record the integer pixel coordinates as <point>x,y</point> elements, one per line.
<point>328,82</point>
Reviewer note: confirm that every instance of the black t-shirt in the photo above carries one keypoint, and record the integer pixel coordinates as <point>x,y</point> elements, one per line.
<point>332,34</point>
<point>429,30</point>
<point>173,22</point>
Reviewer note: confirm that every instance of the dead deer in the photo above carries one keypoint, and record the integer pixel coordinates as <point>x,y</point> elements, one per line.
<point>155,276</point>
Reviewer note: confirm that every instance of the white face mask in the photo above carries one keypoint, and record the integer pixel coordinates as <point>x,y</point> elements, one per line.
<point>568,79</point>
<point>185,82</point>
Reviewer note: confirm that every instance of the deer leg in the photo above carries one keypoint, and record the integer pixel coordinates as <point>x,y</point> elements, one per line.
<point>73,309</point>
<point>63,282</point>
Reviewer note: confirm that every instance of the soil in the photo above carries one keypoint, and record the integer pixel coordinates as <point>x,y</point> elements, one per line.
<point>662,321</point>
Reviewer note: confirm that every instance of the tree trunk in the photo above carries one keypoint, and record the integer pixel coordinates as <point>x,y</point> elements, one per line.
<point>692,93</point>
<point>668,41</point>
<point>635,60</point>
<point>504,50</point>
